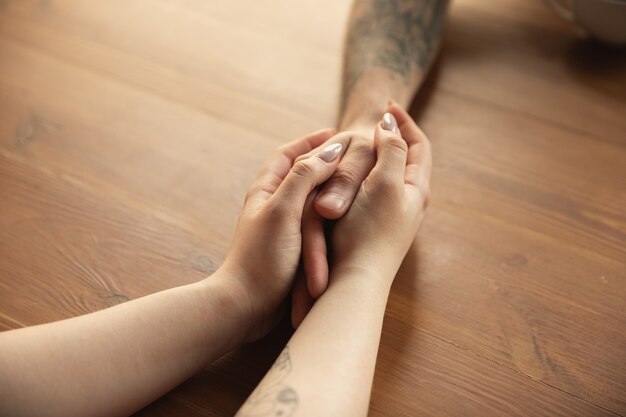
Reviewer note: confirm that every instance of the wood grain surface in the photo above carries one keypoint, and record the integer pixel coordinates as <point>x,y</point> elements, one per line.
<point>130,130</point>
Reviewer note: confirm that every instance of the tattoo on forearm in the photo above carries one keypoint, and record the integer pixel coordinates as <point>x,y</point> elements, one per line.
<point>273,398</point>
<point>398,35</point>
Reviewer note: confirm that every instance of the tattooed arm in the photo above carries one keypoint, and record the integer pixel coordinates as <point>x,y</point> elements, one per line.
<point>389,47</point>
<point>328,367</point>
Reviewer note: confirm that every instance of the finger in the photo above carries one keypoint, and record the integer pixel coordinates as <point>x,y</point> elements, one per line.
<point>306,143</point>
<point>314,250</point>
<point>391,150</point>
<point>419,158</point>
<point>337,195</point>
<point>301,301</point>
<point>282,159</point>
<point>336,138</point>
<point>307,174</point>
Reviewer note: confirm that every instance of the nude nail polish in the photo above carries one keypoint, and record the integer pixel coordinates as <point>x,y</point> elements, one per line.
<point>389,123</point>
<point>330,153</point>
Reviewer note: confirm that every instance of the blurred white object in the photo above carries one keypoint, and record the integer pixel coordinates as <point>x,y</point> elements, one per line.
<point>603,19</point>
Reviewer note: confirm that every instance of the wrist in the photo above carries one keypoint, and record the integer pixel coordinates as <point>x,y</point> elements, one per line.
<point>358,287</point>
<point>363,122</point>
<point>368,99</point>
<point>234,304</point>
<point>362,128</point>
<point>377,258</point>
<point>363,277</point>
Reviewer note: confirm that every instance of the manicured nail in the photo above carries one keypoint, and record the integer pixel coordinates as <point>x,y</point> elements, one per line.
<point>331,201</point>
<point>389,123</point>
<point>330,153</point>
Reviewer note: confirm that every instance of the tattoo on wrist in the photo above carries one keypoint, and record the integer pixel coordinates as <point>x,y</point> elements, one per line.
<point>397,35</point>
<point>273,398</point>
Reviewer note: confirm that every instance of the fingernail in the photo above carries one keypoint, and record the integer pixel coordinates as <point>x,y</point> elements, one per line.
<point>330,153</point>
<point>331,201</point>
<point>389,123</point>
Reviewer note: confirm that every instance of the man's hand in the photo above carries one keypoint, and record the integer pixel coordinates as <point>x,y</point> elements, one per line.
<point>336,196</point>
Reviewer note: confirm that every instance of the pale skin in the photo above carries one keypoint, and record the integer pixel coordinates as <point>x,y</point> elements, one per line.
<point>115,361</point>
<point>390,46</point>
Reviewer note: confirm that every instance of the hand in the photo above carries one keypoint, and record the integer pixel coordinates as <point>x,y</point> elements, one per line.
<point>415,167</point>
<point>377,232</point>
<point>331,201</point>
<point>266,248</point>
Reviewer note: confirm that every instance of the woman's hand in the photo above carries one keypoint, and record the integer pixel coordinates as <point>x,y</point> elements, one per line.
<point>377,232</point>
<point>266,248</point>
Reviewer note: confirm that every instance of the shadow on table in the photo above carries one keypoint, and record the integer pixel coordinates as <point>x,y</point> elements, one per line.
<point>222,388</point>
<point>589,57</point>
<point>426,91</point>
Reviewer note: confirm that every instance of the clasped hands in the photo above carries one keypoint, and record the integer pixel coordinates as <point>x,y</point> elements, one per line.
<point>325,203</point>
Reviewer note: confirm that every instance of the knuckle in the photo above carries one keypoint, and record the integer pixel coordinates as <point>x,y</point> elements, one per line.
<point>347,174</point>
<point>397,143</point>
<point>300,158</point>
<point>304,168</point>
<point>386,184</point>
<point>361,147</point>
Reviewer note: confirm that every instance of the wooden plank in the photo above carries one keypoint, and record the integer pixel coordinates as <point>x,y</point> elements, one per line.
<point>438,379</point>
<point>494,184</point>
<point>118,137</point>
<point>66,251</point>
<point>546,72</point>
<point>141,149</point>
<point>191,63</point>
<point>527,242</point>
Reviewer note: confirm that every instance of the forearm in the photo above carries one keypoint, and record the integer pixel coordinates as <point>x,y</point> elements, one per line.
<point>328,365</point>
<point>389,47</point>
<point>117,360</point>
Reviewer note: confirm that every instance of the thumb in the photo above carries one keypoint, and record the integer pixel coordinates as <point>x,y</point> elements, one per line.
<point>307,174</point>
<point>391,149</point>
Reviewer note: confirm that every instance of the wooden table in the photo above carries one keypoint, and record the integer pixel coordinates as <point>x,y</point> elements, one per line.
<point>130,130</point>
